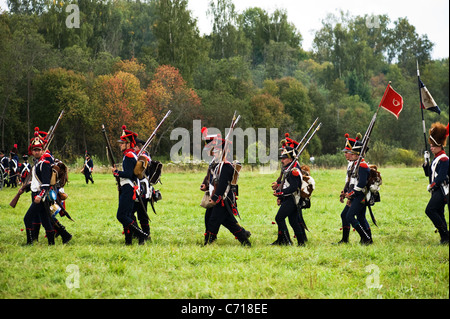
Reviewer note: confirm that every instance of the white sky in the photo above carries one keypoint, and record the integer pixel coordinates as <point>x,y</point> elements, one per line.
<point>430,17</point>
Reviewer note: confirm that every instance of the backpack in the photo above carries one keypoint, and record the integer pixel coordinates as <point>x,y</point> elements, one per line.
<point>373,185</point>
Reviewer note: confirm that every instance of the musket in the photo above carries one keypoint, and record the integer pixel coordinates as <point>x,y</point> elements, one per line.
<point>234,121</point>
<point>144,147</point>
<point>150,139</point>
<point>289,168</point>
<point>365,143</point>
<point>110,155</point>
<point>50,136</point>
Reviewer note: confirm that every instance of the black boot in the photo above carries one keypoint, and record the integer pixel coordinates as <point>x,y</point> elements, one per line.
<point>210,238</point>
<point>300,239</point>
<point>444,235</point>
<point>146,229</point>
<point>35,232</point>
<point>365,238</point>
<point>345,235</point>
<point>29,233</point>
<point>286,238</point>
<point>138,232</point>
<point>61,231</point>
<point>51,237</point>
<point>278,241</point>
<point>243,235</point>
<point>128,236</point>
<point>369,233</point>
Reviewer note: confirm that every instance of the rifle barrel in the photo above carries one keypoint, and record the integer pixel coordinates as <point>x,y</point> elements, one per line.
<point>149,140</point>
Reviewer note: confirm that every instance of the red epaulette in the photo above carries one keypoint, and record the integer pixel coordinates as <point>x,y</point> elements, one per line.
<point>364,165</point>
<point>45,157</point>
<point>130,153</point>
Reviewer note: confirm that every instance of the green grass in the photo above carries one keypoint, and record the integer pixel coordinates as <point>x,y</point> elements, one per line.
<point>408,260</point>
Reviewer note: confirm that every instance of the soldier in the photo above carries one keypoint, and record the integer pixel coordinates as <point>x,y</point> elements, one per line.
<point>128,187</point>
<point>288,196</point>
<point>4,165</point>
<point>223,197</point>
<point>208,183</point>
<point>439,186</point>
<point>144,191</point>
<point>13,166</point>
<point>25,168</point>
<point>40,185</point>
<point>88,167</point>
<point>356,194</point>
<point>36,216</point>
<point>351,158</point>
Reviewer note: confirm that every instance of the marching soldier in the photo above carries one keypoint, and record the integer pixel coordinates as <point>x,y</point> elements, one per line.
<point>351,158</point>
<point>355,214</point>
<point>88,167</point>
<point>288,196</point>
<point>208,183</point>
<point>223,198</point>
<point>128,187</point>
<point>439,186</point>
<point>40,186</point>
<point>48,208</point>
<point>144,191</point>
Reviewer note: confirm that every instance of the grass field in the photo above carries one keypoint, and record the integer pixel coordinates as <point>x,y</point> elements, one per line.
<point>405,261</point>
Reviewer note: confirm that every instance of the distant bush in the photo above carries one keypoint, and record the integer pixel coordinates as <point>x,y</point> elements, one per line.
<point>331,160</point>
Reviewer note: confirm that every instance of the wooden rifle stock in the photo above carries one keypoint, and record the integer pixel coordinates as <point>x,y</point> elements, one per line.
<point>16,198</point>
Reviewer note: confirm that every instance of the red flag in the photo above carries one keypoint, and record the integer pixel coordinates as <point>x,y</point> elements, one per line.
<point>392,101</point>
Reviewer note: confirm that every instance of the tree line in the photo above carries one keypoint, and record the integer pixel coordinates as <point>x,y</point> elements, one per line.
<point>128,62</point>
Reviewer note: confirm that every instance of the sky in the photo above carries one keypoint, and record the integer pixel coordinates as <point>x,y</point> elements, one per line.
<point>430,17</point>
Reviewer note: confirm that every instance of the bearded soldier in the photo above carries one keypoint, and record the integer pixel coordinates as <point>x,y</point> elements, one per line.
<point>439,186</point>
<point>128,187</point>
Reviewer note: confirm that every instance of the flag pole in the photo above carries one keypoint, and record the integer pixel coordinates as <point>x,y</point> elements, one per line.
<point>423,120</point>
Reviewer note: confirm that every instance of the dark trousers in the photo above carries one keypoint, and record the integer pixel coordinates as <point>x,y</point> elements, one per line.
<point>141,215</point>
<point>35,214</point>
<point>126,205</point>
<point>435,209</point>
<point>355,214</point>
<point>219,215</point>
<point>88,177</point>
<point>288,209</point>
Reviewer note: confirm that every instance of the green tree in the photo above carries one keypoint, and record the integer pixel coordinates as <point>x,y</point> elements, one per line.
<point>178,40</point>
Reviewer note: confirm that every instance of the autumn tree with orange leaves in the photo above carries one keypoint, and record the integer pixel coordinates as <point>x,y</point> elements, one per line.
<point>169,91</point>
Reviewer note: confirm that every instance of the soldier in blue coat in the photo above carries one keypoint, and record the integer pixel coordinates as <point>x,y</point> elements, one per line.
<point>40,186</point>
<point>288,196</point>
<point>223,199</point>
<point>356,194</point>
<point>439,186</point>
<point>128,187</point>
